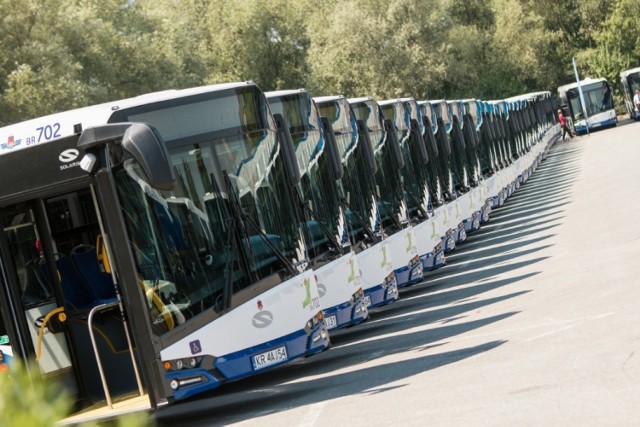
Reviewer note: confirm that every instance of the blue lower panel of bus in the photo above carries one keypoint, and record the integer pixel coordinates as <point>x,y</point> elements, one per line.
<point>473,223</point>
<point>346,314</point>
<point>382,294</point>
<point>580,129</point>
<point>484,214</point>
<point>459,234</point>
<point>407,276</point>
<point>498,200</point>
<point>449,242</point>
<point>433,260</point>
<point>249,361</point>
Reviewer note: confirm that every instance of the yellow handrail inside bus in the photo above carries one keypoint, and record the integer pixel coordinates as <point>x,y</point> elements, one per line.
<point>44,325</point>
<point>101,254</point>
<point>159,305</point>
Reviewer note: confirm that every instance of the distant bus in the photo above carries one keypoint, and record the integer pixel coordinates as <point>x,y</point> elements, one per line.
<point>629,83</point>
<point>598,101</point>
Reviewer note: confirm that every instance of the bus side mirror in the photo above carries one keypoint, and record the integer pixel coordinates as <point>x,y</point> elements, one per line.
<point>366,148</point>
<point>140,140</point>
<point>394,144</point>
<point>332,148</point>
<point>431,140</point>
<point>444,138</point>
<point>417,135</point>
<point>149,150</point>
<point>288,150</point>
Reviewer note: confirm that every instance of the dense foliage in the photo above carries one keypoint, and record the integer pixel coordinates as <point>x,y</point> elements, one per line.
<point>60,54</point>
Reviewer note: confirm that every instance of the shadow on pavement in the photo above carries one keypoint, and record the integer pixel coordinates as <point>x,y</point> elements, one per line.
<point>428,316</point>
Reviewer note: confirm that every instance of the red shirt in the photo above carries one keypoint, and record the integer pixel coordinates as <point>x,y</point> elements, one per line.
<point>563,121</point>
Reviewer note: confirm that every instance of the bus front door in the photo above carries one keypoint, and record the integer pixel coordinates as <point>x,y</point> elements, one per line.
<point>52,281</point>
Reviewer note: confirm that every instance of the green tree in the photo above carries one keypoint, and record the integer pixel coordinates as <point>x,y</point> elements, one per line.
<point>616,48</point>
<point>377,48</point>
<point>58,55</point>
<point>260,40</point>
<point>37,73</point>
<point>517,59</point>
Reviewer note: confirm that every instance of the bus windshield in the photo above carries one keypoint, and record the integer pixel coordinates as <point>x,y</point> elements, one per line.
<point>414,173</point>
<point>356,183</point>
<point>230,218</point>
<point>597,98</point>
<point>318,188</point>
<point>388,181</point>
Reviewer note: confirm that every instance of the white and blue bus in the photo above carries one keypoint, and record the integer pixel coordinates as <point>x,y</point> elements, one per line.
<point>392,219</point>
<point>598,102</point>
<point>629,84</point>
<point>319,158</point>
<point>356,142</point>
<point>406,117</point>
<point>172,211</point>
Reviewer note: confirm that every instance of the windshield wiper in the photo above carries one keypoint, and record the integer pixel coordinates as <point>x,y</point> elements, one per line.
<point>390,215</point>
<point>417,203</point>
<point>238,213</point>
<point>322,226</point>
<point>368,231</point>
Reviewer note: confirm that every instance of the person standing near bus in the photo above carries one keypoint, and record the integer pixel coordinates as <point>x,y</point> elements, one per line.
<point>563,123</point>
<point>636,101</point>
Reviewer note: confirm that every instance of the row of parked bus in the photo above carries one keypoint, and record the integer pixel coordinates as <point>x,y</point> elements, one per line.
<point>157,247</point>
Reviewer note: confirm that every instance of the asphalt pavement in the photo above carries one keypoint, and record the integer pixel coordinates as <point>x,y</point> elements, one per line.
<point>535,320</point>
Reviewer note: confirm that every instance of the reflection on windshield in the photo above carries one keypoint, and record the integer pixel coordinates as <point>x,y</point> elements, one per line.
<point>597,98</point>
<point>414,174</point>
<point>214,229</point>
<point>388,181</point>
<point>318,187</point>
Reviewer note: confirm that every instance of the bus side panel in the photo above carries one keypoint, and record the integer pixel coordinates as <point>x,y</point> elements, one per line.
<point>441,225</point>
<point>465,203</point>
<point>454,213</point>
<point>377,274</point>
<point>279,312</point>
<point>404,256</point>
<point>338,282</point>
<point>375,264</point>
<point>427,238</point>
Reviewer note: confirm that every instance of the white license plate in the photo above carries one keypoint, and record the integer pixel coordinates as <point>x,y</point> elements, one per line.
<point>367,299</point>
<point>269,358</point>
<point>331,322</point>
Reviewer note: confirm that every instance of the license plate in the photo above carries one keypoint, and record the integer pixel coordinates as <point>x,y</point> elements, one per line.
<point>268,358</point>
<point>367,299</point>
<point>331,322</point>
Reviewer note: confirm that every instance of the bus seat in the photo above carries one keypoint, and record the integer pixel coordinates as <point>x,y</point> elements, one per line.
<point>85,260</point>
<point>75,291</point>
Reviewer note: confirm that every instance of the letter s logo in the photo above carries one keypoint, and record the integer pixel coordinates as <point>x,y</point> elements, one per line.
<point>68,155</point>
<point>262,319</point>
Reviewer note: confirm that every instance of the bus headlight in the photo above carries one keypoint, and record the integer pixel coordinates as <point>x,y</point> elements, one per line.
<point>179,364</point>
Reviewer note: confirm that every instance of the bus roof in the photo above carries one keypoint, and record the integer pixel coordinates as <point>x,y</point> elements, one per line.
<point>584,82</point>
<point>59,125</point>
<point>327,98</point>
<point>626,73</point>
<point>361,99</point>
<point>530,96</point>
<point>284,92</point>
